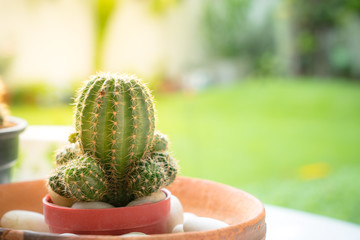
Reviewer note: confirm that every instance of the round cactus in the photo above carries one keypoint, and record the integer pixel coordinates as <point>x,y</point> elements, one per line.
<point>168,163</point>
<point>115,130</point>
<point>56,181</point>
<point>67,153</point>
<point>160,142</point>
<point>146,177</point>
<point>85,179</point>
<point>154,171</point>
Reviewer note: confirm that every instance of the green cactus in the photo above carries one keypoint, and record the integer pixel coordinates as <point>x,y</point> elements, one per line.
<point>115,128</point>
<point>85,179</point>
<point>168,163</point>
<point>160,142</point>
<point>155,170</point>
<point>114,118</point>
<point>67,153</point>
<point>56,181</point>
<point>81,178</point>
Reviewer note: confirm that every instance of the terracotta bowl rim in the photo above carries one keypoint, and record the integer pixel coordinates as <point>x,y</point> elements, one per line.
<point>260,214</point>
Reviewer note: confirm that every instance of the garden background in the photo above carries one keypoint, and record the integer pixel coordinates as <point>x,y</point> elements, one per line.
<point>263,95</point>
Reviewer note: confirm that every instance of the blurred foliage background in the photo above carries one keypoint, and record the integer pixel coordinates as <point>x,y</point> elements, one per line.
<point>262,95</point>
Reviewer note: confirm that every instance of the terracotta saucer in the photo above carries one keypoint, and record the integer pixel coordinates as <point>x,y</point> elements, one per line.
<point>244,212</point>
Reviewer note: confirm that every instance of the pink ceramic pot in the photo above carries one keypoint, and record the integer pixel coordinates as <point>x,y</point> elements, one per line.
<point>147,218</point>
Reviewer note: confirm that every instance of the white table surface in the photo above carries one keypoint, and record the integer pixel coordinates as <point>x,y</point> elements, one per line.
<point>288,224</point>
<point>282,223</point>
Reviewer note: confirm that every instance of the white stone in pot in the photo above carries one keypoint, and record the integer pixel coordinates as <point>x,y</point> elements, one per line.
<point>152,198</point>
<point>24,220</point>
<point>68,234</point>
<point>178,228</point>
<point>195,224</point>
<point>91,205</point>
<point>133,234</point>
<point>188,215</point>
<point>176,214</point>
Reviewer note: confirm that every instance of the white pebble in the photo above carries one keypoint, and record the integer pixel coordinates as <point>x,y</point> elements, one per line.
<point>176,214</point>
<point>188,215</point>
<point>24,220</point>
<point>134,234</point>
<point>152,198</point>
<point>68,234</point>
<point>196,224</point>
<point>91,205</point>
<point>178,229</point>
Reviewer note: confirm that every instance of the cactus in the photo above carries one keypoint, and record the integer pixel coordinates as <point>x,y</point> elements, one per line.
<point>82,178</point>
<point>160,142</point>
<point>115,135</point>
<point>66,154</point>
<point>115,118</point>
<point>155,170</point>
<point>168,163</point>
<point>85,179</point>
<point>56,181</point>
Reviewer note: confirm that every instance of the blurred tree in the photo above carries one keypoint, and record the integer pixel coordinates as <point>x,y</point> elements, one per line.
<point>317,26</point>
<point>286,37</point>
<point>232,32</point>
<point>226,26</point>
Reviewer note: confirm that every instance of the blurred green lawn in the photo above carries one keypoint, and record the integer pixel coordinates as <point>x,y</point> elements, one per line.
<point>290,143</point>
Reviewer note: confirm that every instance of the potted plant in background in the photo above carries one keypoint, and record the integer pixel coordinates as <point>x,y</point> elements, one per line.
<point>10,128</point>
<point>115,156</point>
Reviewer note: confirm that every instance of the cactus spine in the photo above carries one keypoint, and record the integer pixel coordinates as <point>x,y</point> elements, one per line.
<point>115,130</point>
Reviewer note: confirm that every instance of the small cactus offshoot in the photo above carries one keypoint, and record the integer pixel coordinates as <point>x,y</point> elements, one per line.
<point>151,173</point>
<point>69,152</point>
<point>160,142</point>
<point>116,155</point>
<point>85,179</point>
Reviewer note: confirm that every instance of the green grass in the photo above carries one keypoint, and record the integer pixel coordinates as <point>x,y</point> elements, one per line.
<point>290,143</point>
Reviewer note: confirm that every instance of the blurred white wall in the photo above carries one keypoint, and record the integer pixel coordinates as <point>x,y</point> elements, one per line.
<point>142,42</point>
<point>50,40</point>
<point>53,40</point>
